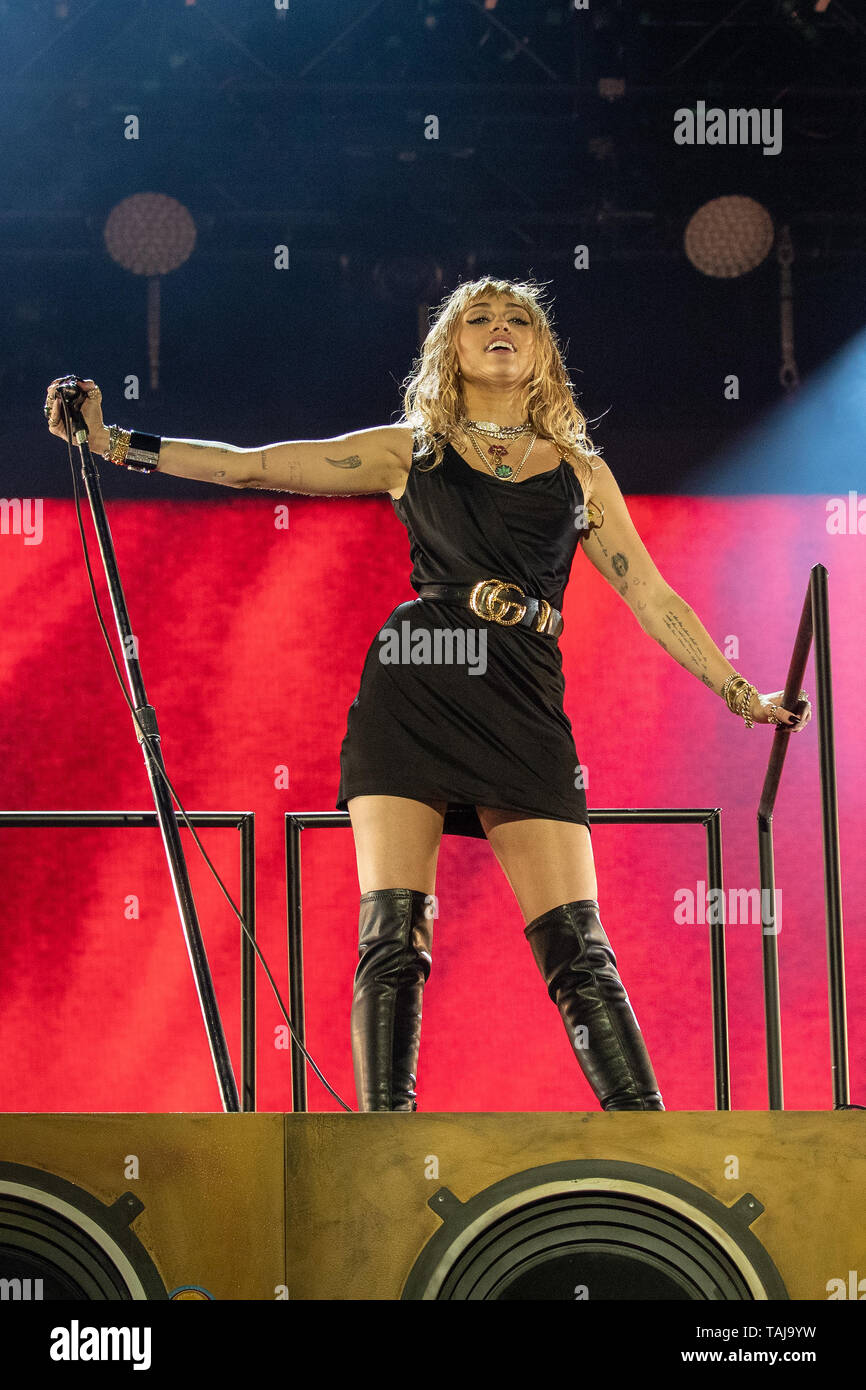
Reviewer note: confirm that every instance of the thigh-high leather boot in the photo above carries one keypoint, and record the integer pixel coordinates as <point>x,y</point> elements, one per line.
<point>577,962</point>
<point>395,938</point>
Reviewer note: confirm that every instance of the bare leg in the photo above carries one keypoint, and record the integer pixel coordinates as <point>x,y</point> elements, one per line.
<point>396,841</point>
<point>546,862</point>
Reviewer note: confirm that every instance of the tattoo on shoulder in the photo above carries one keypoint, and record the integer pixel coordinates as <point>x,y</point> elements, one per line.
<point>353,461</point>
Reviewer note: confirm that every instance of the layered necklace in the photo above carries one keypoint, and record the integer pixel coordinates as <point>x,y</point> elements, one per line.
<point>499,468</point>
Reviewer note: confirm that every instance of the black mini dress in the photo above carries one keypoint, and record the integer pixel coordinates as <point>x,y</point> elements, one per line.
<point>473,716</point>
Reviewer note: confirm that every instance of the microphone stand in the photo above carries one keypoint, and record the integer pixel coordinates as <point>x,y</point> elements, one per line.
<point>152,751</point>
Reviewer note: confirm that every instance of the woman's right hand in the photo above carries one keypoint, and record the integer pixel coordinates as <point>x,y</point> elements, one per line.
<point>91,411</point>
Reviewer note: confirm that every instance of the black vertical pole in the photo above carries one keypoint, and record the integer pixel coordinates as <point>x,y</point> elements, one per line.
<point>766,862</point>
<point>152,751</point>
<point>830,831</point>
<point>248,962</point>
<point>814,624</point>
<point>718,971</point>
<point>296,960</point>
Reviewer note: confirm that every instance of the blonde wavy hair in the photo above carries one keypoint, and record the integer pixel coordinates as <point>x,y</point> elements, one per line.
<point>432,396</point>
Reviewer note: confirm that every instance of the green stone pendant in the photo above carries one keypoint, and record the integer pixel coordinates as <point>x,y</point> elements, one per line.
<point>501,469</point>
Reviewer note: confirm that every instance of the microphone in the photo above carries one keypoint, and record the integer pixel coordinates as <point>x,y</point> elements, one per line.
<point>69,389</point>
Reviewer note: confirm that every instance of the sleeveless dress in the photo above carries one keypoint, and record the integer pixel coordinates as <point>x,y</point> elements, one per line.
<point>454,707</point>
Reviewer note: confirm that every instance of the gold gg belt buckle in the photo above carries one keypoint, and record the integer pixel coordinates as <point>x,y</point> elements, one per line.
<point>487,601</point>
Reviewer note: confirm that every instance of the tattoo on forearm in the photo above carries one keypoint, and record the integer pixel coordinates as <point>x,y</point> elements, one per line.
<point>620,564</point>
<point>686,640</point>
<point>262,461</point>
<point>202,445</point>
<point>353,461</point>
<point>690,648</point>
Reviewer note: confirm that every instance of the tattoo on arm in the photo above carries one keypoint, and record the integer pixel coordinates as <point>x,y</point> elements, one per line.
<point>692,650</point>
<point>203,444</point>
<point>684,639</point>
<point>689,644</point>
<point>353,461</point>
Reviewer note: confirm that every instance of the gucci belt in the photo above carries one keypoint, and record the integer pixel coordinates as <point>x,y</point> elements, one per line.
<point>500,601</point>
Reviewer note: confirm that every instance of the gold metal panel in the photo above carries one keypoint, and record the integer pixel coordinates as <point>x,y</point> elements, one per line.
<point>334,1206</point>
<point>357,1185</point>
<point>211,1184</point>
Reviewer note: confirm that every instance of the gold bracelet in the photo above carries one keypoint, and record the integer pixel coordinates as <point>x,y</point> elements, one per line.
<point>732,689</point>
<point>738,696</point>
<point>726,688</point>
<point>118,444</point>
<point>745,701</point>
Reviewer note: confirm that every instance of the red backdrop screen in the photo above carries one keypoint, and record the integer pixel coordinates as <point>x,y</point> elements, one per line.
<point>253,615</point>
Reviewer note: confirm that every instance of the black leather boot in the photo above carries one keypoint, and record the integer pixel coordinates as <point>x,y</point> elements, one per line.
<point>577,962</point>
<point>395,934</point>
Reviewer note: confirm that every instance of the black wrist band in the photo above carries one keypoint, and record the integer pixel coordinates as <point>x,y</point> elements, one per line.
<point>142,456</point>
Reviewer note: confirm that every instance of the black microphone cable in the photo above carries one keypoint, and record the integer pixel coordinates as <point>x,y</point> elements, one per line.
<point>65,394</point>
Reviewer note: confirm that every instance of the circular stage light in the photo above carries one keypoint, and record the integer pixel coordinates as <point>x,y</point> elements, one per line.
<point>150,234</point>
<point>729,236</point>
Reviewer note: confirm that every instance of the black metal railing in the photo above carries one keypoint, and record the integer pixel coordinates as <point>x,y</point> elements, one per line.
<point>814,623</point>
<point>332,820</point>
<point>244,822</point>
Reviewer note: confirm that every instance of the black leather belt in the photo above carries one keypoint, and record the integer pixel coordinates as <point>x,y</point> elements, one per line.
<point>500,601</point>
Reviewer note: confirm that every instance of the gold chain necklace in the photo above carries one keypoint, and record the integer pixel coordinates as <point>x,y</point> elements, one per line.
<point>500,431</point>
<point>500,469</point>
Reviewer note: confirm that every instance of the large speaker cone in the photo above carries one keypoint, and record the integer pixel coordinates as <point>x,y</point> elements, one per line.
<point>59,1242</point>
<point>594,1230</point>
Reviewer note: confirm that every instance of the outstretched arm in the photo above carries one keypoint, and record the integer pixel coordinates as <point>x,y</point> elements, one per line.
<point>618,553</point>
<point>374,460</point>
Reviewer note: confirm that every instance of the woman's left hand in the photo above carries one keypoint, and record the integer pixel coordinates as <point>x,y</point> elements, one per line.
<point>762,706</point>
